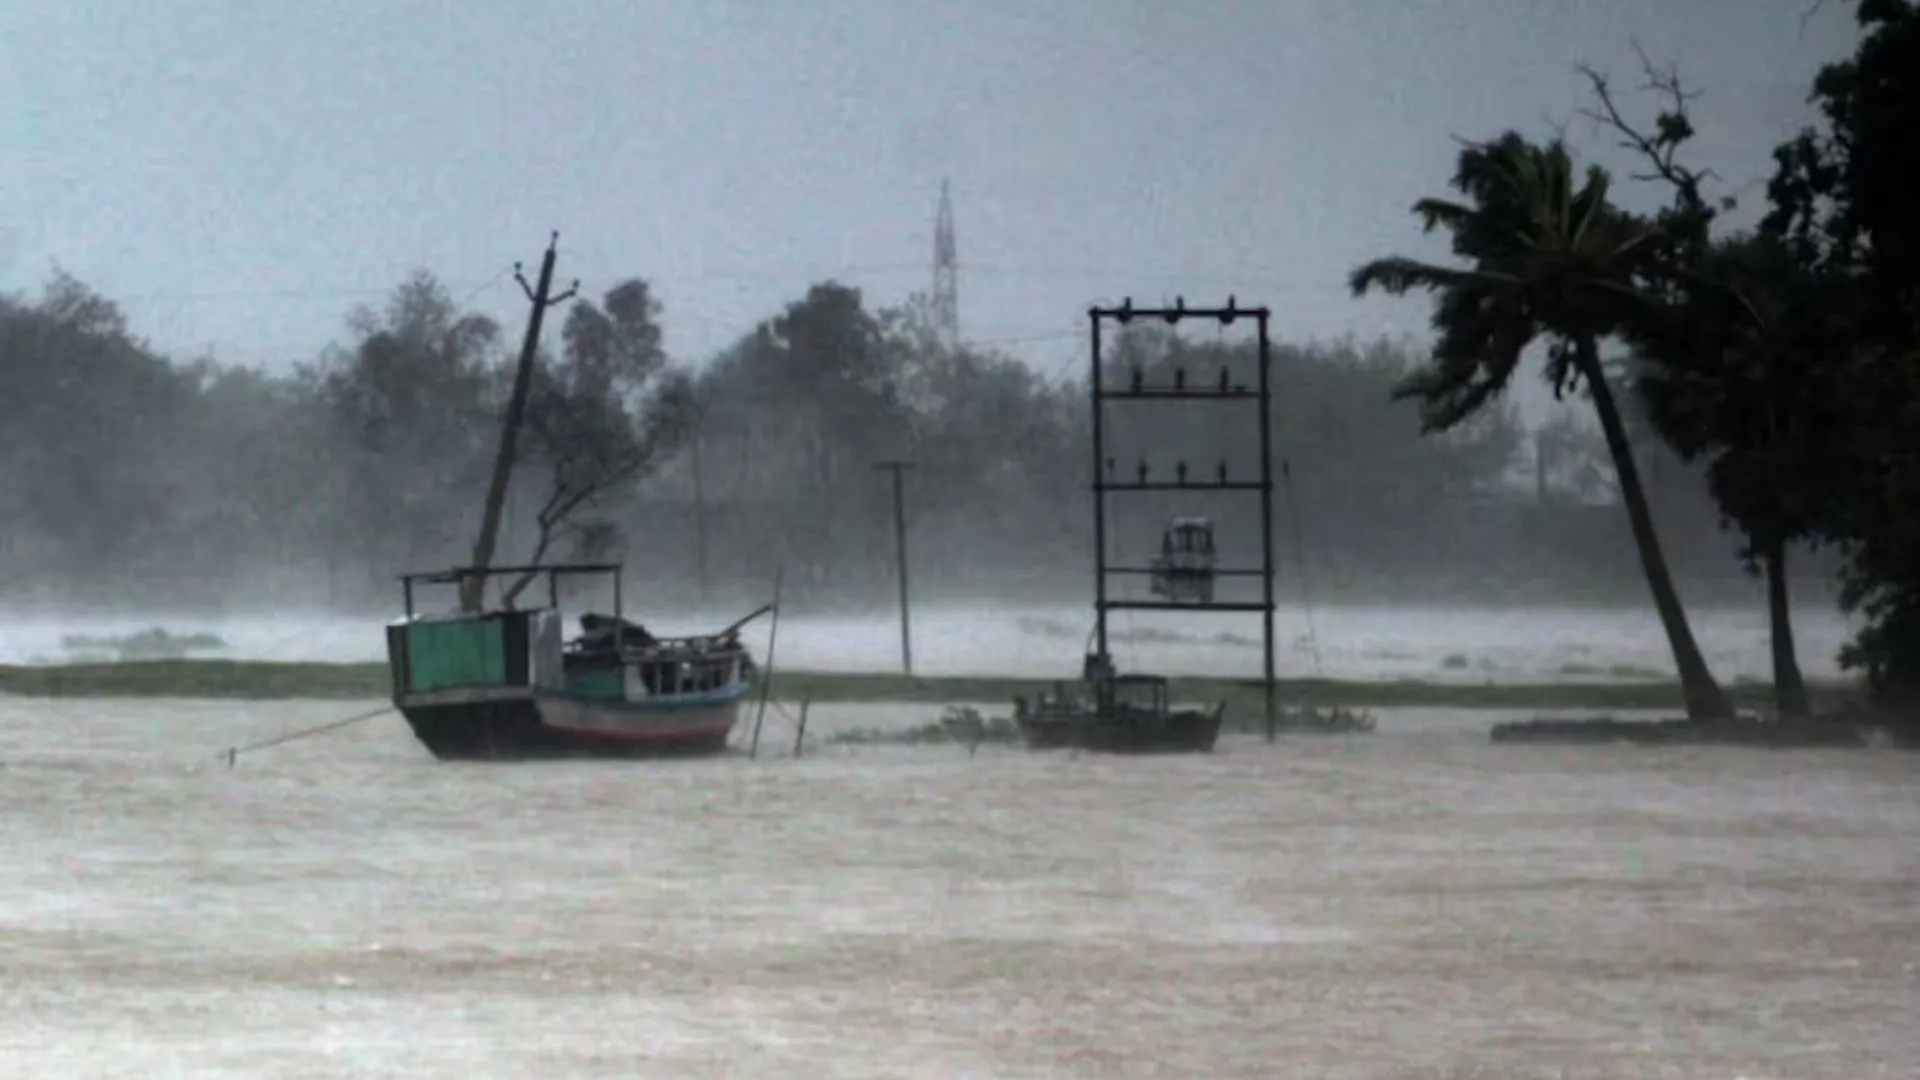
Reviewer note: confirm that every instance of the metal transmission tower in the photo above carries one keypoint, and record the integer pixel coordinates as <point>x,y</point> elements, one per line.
<point>1223,392</point>
<point>946,275</point>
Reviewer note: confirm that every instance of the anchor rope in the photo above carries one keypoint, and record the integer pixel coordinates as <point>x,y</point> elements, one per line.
<point>233,752</point>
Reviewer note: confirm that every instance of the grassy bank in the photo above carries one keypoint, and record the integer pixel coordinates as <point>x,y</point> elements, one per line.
<point>260,680</point>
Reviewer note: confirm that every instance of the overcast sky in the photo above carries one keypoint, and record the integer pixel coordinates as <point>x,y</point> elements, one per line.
<point>238,175</point>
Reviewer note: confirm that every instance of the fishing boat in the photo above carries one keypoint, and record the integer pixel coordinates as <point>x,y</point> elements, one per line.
<point>507,683</point>
<point>1114,713</point>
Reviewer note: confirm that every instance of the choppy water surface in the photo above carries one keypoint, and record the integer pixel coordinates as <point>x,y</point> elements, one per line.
<point>1417,904</point>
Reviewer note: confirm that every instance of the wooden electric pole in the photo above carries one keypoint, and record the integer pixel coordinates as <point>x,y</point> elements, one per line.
<point>700,522</point>
<point>898,469</point>
<point>473,589</point>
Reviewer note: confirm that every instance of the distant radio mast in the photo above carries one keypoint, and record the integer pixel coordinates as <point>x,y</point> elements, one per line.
<point>946,276</point>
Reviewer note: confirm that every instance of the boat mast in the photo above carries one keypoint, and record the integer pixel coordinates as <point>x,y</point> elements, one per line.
<point>473,589</point>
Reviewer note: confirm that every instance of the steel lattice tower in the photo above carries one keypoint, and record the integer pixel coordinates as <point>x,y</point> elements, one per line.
<point>946,275</point>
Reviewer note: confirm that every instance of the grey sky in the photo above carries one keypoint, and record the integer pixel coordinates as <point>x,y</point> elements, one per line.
<point>238,175</point>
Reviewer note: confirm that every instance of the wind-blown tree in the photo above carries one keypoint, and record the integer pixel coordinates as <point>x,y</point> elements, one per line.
<point>1842,194</point>
<point>1002,450</point>
<point>601,418</point>
<point>977,420</point>
<point>1547,256</point>
<point>415,402</point>
<point>251,438</point>
<point>1842,199</point>
<point>803,405</point>
<point>1743,376</point>
<point>90,409</point>
<point>1737,362</point>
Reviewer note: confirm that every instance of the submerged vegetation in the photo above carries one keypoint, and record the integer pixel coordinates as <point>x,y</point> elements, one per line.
<point>966,726</point>
<point>958,724</point>
<point>1773,734</point>
<point>155,643</point>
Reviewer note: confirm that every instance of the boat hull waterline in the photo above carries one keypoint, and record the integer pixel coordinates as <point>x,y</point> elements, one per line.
<point>1179,732</point>
<point>548,724</point>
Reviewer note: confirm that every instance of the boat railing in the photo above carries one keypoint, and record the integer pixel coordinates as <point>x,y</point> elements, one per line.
<point>689,647</point>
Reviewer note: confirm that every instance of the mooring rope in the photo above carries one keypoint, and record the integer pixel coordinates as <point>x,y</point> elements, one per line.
<point>234,752</point>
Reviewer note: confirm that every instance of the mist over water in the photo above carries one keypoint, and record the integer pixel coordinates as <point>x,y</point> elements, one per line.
<point>1461,644</point>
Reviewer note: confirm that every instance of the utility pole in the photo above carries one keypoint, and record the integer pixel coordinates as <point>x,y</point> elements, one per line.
<point>898,469</point>
<point>700,520</point>
<point>472,591</point>
<point>1105,482</point>
<point>1540,468</point>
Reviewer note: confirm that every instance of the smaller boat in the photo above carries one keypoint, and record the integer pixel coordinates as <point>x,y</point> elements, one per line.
<point>1116,714</point>
<point>1184,569</point>
<point>503,684</point>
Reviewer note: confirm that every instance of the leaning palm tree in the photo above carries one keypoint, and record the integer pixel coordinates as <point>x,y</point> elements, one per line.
<point>1546,256</point>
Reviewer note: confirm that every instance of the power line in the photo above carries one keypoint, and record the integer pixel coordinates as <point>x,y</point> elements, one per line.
<point>503,275</point>
<point>1214,281</point>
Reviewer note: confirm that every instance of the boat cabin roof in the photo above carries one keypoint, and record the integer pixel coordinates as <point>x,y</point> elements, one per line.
<point>553,572</point>
<point>461,573</point>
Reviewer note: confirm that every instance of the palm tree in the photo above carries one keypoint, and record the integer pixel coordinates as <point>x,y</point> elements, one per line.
<point>1547,256</point>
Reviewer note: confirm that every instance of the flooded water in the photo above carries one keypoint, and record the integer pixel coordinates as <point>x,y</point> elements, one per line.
<point>1516,645</point>
<point>1415,904</point>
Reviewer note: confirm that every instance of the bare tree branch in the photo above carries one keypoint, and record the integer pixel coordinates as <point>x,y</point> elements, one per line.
<point>1558,127</point>
<point>586,465</point>
<point>553,517</point>
<point>1659,148</point>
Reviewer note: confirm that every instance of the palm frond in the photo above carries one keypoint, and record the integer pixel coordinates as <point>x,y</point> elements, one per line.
<point>1446,401</point>
<point>1585,211</point>
<point>1399,275</point>
<point>1442,213</point>
<point>1542,250</point>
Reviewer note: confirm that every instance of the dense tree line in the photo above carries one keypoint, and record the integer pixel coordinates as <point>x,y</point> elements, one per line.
<point>135,480</point>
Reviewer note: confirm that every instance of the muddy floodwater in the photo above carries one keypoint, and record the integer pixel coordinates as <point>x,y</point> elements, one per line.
<point>1415,904</point>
